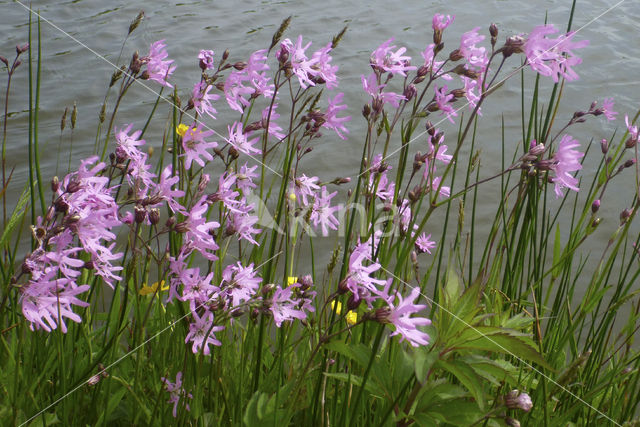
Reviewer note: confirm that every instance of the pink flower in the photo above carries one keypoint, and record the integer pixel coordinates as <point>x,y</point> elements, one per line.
<point>607,109</point>
<point>244,178</point>
<point>201,99</point>
<point>206,59</point>
<point>424,244</point>
<point>241,141</point>
<point>384,59</point>
<point>47,300</point>
<point>302,66</point>
<point>566,160</point>
<point>195,146</point>
<point>370,86</point>
<point>476,56</point>
<point>201,332</point>
<point>242,224</point>
<point>198,230</point>
<point>126,144</point>
<point>269,122</point>
<point>324,214</point>
<point>176,391</point>
<point>399,316</point>
<point>159,69</point>
<point>440,22</point>
<point>332,121</point>
<point>442,100</point>
<point>167,193</point>
<point>359,274</point>
<point>325,72</point>
<point>634,133</point>
<point>285,307</point>
<point>239,283</point>
<point>552,57</point>
<point>430,64</point>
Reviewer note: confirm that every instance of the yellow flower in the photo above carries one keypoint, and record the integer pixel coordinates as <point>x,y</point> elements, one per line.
<point>291,280</point>
<point>147,290</point>
<point>352,317</point>
<point>182,129</point>
<point>336,306</point>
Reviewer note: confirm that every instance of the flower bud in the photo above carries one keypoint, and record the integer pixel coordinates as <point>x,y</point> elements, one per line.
<point>604,146</point>
<point>455,55</point>
<point>514,44</point>
<point>458,93</point>
<point>55,184</point>
<point>625,215</point>
<point>266,289</point>
<point>631,142</point>
<point>422,71</point>
<point>73,187</point>
<point>629,163</point>
<point>595,206</point>
<point>511,422</point>
<point>225,55</point>
<point>140,214</point>
<point>493,30</point>
<point>516,400</point>
<point>537,149</point>
<point>342,286</point>
<point>4,60</point>
<point>170,222</point>
<point>240,65</point>
<point>22,48</point>
<point>305,282</point>
<point>409,92</point>
<point>154,216</point>
<point>353,302</point>
<point>366,110</point>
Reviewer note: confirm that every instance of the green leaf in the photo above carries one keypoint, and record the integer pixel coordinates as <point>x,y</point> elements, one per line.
<point>423,360</point>
<point>557,252</point>
<point>355,380</point>
<point>507,344</point>
<point>467,377</point>
<point>16,216</point>
<point>359,353</point>
<point>114,400</point>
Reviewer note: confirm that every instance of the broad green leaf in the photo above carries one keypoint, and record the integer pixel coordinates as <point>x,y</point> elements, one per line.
<point>423,360</point>
<point>507,344</point>
<point>466,375</point>
<point>359,353</point>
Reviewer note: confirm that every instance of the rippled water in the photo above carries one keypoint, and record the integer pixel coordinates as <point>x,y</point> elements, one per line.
<point>73,73</point>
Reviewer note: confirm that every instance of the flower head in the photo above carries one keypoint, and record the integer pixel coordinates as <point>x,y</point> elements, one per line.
<point>176,391</point>
<point>206,59</point>
<point>385,59</point>
<point>159,70</point>
<point>552,57</point>
<point>566,160</point>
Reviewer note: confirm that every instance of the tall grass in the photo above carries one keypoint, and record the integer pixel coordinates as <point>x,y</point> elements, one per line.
<point>525,325</point>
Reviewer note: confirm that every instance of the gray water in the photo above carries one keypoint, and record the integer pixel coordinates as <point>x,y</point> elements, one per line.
<point>72,73</point>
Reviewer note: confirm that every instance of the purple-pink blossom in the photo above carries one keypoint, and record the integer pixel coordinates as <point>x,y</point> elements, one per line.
<point>176,391</point>
<point>552,57</point>
<point>386,60</point>
<point>566,160</point>
<point>332,121</point>
<point>158,69</point>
